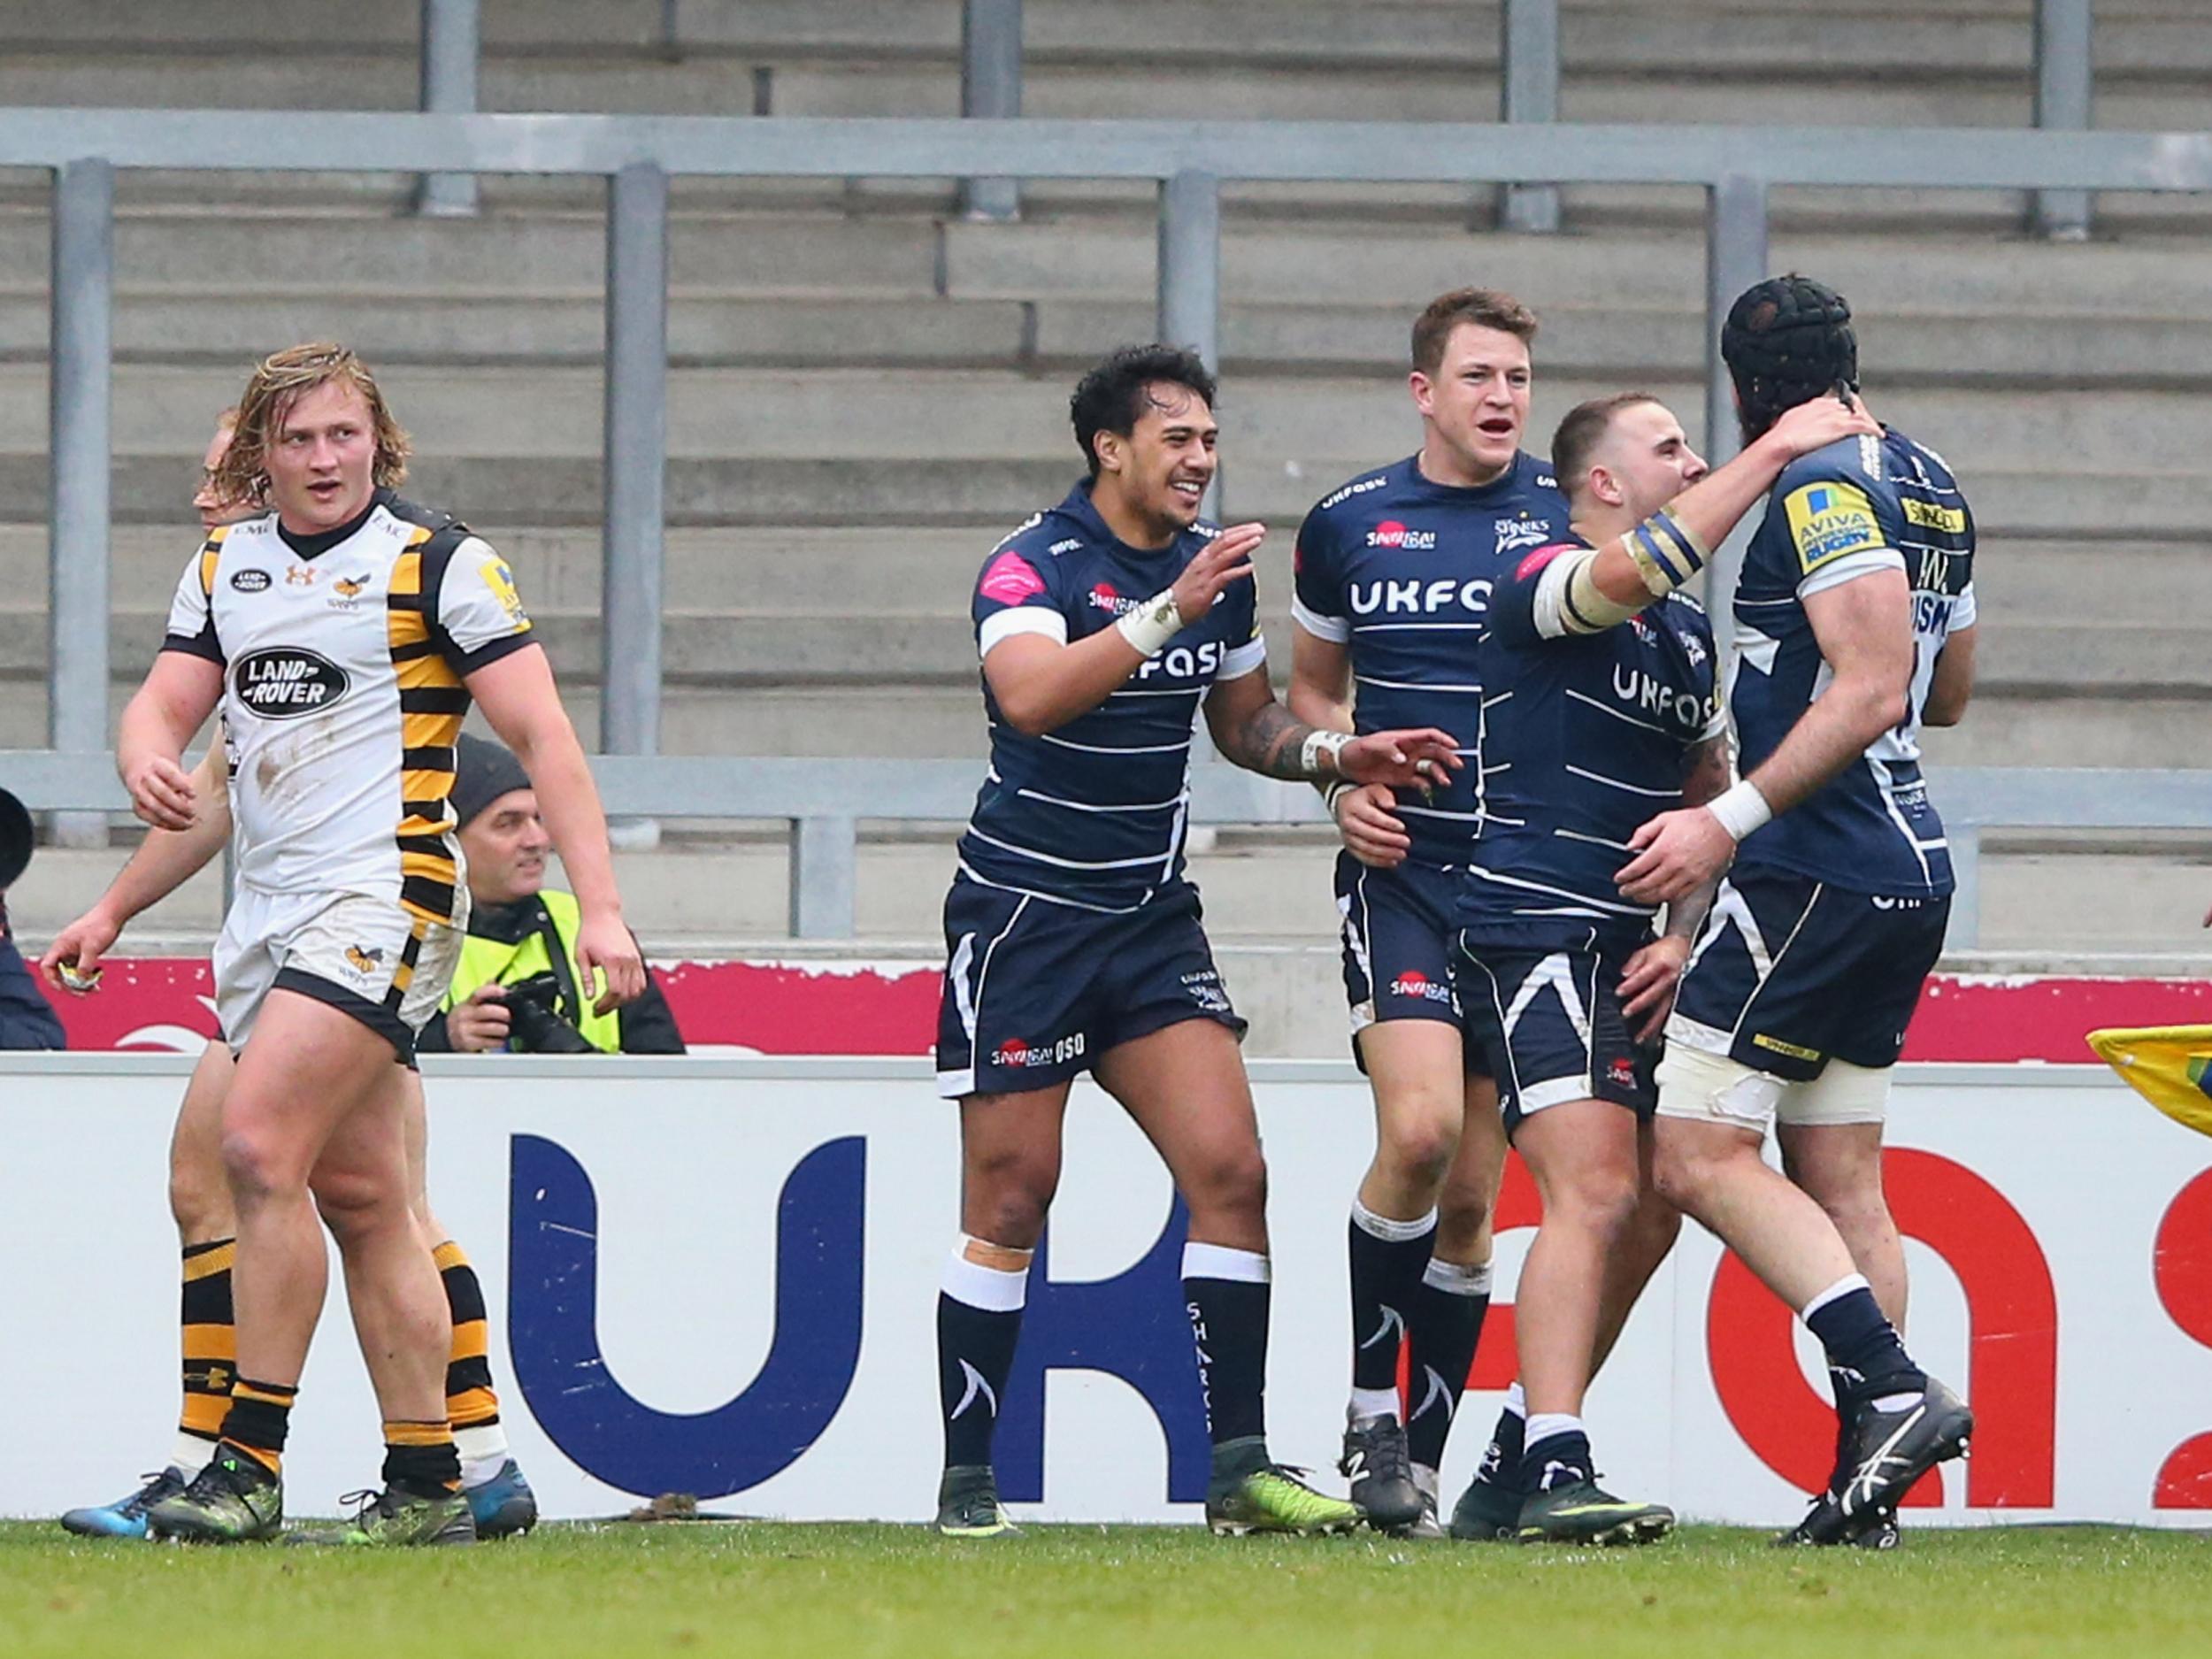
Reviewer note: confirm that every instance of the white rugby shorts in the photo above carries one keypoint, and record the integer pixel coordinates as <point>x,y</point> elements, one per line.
<point>363,955</point>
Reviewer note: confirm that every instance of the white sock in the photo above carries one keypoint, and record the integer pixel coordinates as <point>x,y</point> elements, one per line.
<point>1516,1403</point>
<point>1543,1424</point>
<point>1389,1228</point>
<point>481,1445</point>
<point>1456,1278</point>
<point>190,1454</point>
<point>1372,1402</point>
<point>1842,1287</point>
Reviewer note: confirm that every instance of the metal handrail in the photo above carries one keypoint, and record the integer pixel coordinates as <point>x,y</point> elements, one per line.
<point>825,801</point>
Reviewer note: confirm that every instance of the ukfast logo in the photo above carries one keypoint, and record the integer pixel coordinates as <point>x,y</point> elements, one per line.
<point>1419,598</point>
<point>1391,534</point>
<point>1350,490</point>
<point>1652,696</point>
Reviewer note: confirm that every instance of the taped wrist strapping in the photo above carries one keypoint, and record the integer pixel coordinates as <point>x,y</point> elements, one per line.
<point>1740,808</point>
<point>1152,624</point>
<point>1318,744</point>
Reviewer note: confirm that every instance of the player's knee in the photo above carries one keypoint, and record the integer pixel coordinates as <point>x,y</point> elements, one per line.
<point>1230,1187</point>
<point>1419,1154</point>
<point>258,1170</point>
<point>1684,1172</point>
<point>354,1204</point>
<point>1601,1202</point>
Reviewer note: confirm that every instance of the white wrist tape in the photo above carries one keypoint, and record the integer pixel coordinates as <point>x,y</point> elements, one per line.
<point>1740,808</point>
<point>1332,793</point>
<point>1153,624</point>
<point>1318,744</point>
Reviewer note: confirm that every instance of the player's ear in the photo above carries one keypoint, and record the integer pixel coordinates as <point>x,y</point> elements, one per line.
<point>1424,391</point>
<point>1605,486</point>
<point>1112,449</point>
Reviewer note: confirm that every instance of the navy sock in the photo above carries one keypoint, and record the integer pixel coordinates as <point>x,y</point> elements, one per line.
<point>1502,1460</point>
<point>1387,1258</point>
<point>1557,1460</point>
<point>1865,1357</point>
<point>1449,1312</point>
<point>1228,1296</point>
<point>979,1322</point>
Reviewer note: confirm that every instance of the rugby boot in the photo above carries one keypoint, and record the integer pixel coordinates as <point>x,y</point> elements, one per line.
<point>1272,1499</point>
<point>233,1500</point>
<point>1380,1469</point>
<point>968,1505</point>
<point>1569,1506</point>
<point>1884,1453</point>
<point>394,1518</point>
<point>1488,1511</point>
<point>1429,1526</point>
<point>126,1517</point>
<point>1490,1508</point>
<point>504,1506</point>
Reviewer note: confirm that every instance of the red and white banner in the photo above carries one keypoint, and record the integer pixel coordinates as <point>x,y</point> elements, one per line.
<point>165,1004</point>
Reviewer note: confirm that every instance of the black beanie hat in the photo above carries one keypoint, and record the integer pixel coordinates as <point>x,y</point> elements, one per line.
<point>485,771</point>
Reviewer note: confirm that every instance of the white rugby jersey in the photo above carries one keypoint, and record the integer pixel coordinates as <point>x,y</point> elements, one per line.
<point>342,657</point>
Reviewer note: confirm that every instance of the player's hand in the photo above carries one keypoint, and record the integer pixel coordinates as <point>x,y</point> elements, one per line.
<point>610,968</point>
<point>162,793</point>
<point>480,1025</point>
<point>79,947</point>
<point>1676,853</point>
<point>1421,758</point>
<point>1226,558</point>
<point>1373,833</point>
<point>1822,421</point>
<point>1647,984</point>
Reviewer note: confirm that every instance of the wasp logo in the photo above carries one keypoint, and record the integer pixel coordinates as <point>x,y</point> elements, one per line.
<point>349,586</point>
<point>364,961</point>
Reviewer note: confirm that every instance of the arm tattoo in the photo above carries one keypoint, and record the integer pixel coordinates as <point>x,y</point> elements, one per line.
<point>1705,771</point>
<point>1268,742</point>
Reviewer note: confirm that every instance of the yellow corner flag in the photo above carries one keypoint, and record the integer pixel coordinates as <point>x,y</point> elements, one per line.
<point>2170,1066</point>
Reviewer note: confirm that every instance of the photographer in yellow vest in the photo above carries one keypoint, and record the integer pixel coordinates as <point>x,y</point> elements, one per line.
<point>515,989</point>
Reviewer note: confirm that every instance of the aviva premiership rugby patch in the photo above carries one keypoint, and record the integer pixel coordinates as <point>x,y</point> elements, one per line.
<point>1829,520</point>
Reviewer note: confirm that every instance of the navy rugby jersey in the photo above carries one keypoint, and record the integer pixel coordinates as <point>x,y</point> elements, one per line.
<point>1585,737</point>
<point>1092,813</point>
<point>1399,570</point>
<point>1863,504</point>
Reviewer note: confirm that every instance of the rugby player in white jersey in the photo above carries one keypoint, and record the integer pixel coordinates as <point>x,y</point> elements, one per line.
<point>500,1500</point>
<point>344,634</point>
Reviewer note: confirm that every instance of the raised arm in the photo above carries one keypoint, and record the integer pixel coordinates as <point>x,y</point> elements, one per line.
<point>1588,590</point>
<point>1040,680</point>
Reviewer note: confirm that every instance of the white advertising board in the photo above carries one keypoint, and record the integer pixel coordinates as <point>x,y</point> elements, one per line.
<point>720,1276</point>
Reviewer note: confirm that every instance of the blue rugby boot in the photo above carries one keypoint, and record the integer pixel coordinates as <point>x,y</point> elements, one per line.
<point>504,1506</point>
<point>126,1517</point>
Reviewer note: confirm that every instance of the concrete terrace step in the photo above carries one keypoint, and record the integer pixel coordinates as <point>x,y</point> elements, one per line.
<point>501,495</point>
<point>892,569</point>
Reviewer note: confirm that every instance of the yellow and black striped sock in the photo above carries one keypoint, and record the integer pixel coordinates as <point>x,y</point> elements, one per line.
<point>420,1458</point>
<point>259,1416</point>
<point>210,1349</point>
<point>470,1405</point>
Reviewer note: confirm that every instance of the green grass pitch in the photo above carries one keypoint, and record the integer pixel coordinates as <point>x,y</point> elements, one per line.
<point>1061,1593</point>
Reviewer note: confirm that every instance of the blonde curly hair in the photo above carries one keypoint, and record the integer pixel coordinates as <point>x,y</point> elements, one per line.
<point>278,383</point>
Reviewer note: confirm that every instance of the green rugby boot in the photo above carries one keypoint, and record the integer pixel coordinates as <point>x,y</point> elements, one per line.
<point>1580,1511</point>
<point>1271,1499</point>
<point>968,1505</point>
<point>232,1500</point>
<point>395,1518</point>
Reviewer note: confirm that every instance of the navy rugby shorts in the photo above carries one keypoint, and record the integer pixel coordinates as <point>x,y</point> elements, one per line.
<point>1551,1026</point>
<point>1036,992</point>
<point>1790,972</point>
<point>1398,929</point>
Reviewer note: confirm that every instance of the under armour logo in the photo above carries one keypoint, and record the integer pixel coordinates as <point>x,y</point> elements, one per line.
<point>976,1386</point>
<point>1392,1320</point>
<point>1439,1391</point>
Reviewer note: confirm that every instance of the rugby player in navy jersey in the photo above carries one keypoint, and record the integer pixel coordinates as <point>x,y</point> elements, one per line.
<point>1394,570</point>
<point>1073,940</point>
<point>1586,728</point>
<point>1856,590</point>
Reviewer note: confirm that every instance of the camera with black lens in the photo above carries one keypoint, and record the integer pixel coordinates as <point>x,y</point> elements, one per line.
<point>534,1024</point>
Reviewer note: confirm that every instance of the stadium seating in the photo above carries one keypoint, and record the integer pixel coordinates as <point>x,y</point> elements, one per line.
<point>866,391</point>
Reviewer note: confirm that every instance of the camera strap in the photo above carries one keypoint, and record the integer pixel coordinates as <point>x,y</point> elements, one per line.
<point>572,1005</point>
